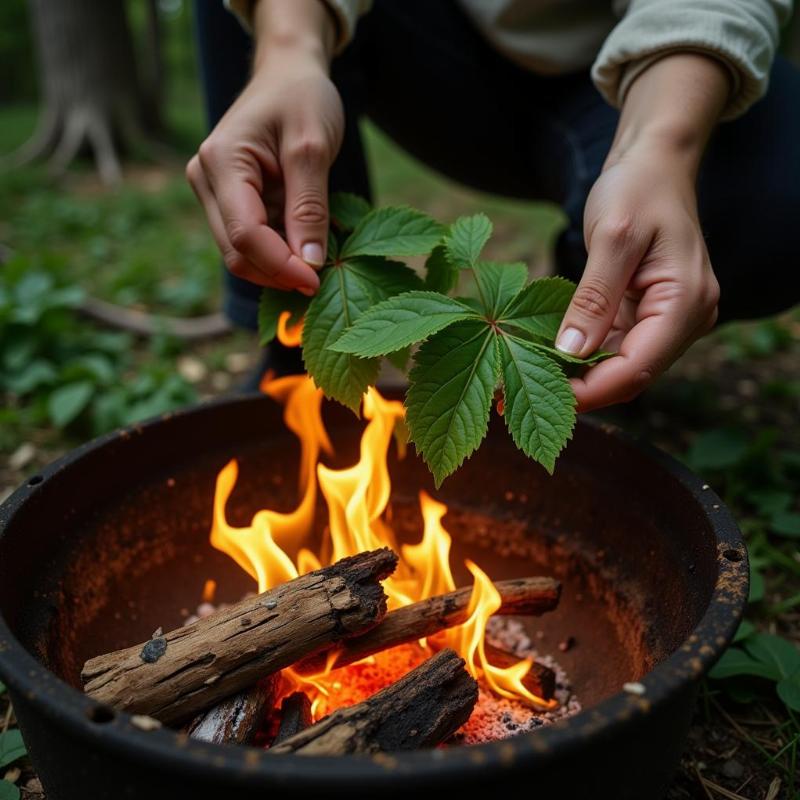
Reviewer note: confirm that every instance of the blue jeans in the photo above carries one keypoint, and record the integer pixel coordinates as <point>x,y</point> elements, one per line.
<point>424,75</point>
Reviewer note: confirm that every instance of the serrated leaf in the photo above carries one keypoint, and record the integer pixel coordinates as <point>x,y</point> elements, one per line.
<point>466,239</point>
<point>393,231</point>
<point>539,402</point>
<point>65,403</point>
<point>539,308</point>
<point>498,284</point>
<point>343,377</point>
<point>347,210</point>
<point>345,292</point>
<point>450,395</point>
<point>736,662</point>
<point>399,322</point>
<point>441,275</point>
<point>333,246</point>
<point>272,304</point>
<point>594,358</point>
<point>11,747</point>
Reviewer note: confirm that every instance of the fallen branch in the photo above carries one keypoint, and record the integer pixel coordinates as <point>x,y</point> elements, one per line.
<point>295,716</point>
<point>237,718</point>
<point>520,596</point>
<point>420,710</point>
<point>174,676</point>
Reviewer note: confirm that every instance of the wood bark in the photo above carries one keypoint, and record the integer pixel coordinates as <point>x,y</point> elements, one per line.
<point>238,718</point>
<point>174,676</point>
<point>90,89</point>
<point>295,716</point>
<point>520,596</point>
<point>422,709</point>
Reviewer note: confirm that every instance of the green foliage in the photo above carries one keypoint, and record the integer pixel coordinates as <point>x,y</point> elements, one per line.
<point>57,368</point>
<point>367,307</point>
<point>347,210</point>
<point>11,747</point>
<point>8,791</point>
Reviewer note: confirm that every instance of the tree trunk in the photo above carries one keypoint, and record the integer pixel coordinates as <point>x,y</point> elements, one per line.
<point>89,86</point>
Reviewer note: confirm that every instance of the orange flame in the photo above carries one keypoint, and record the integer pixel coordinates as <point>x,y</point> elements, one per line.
<point>289,337</point>
<point>277,547</point>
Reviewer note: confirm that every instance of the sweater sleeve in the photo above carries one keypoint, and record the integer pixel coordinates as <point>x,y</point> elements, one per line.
<point>742,34</point>
<point>345,12</point>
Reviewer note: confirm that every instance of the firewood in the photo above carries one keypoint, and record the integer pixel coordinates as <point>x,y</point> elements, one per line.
<point>295,716</point>
<point>422,709</point>
<point>236,719</point>
<point>174,676</point>
<point>540,680</point>
<point>520,596</point>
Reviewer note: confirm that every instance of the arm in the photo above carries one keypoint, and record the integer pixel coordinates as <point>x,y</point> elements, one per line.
<point>264,168</point>
<point>648,289</point>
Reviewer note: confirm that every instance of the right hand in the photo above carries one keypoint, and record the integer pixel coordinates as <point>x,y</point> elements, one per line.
<point>264,169</point>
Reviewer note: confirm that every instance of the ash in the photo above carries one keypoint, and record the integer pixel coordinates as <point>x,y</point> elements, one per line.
<point>499,718</point>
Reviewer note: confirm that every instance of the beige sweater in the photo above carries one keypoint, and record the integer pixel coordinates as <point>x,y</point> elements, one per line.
<point>618,38</point>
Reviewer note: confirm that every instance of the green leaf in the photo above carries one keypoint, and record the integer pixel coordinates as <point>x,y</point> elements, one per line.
<point>594,358</point>
<point>718,449</point>
<point>8,791</point>
<point>66,402</point>
<point>789,691</point>
<point>399,358</point>
<point>400,321</point>
<point>539,402</point>
<point>272,304</point>
<point>757,587</point>
<point>786,523</point>
<point>347,210</point>
<point>441,275</point>
<point>393,231</point>
<point>466,239</point>
<point>346,291</point>
<point>774,651</point>
<point>769,501</point>
<point>539,308</point>
<point>333,246</point>
<point>11,747</point>
<point>450,395</point>
<point>498,284</point>
<point>745,629</point>
<point>736,662</point>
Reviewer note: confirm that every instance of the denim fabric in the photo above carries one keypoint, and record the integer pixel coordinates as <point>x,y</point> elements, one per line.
<point>422,73</point>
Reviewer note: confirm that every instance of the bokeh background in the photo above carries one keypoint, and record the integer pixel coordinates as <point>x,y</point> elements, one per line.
<point>109,297</point>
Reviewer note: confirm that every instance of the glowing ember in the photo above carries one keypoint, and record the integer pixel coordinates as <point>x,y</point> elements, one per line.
<point>276,547</point>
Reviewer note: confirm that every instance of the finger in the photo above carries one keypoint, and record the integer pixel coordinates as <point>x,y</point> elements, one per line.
<point>236,263</point>
<point>615,250</point>
<point>305,175</point>
<point>245,220</point>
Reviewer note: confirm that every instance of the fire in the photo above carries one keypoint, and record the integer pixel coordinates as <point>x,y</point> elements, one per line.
<point>277,547</point>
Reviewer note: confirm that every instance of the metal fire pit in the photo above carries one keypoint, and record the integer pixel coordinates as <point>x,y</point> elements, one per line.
<point>111,542</point>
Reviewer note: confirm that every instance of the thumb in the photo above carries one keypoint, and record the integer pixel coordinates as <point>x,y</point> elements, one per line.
<point>305,176</point>
<point>614,255</point>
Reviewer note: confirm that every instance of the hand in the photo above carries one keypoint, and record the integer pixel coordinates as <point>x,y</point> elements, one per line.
<point>263,170</point>
<point>648,290</point>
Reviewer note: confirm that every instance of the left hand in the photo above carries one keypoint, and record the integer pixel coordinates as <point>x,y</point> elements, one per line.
<point>648,290</point>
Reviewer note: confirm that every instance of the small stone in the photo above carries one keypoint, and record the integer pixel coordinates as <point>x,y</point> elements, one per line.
<point>22,456</point>
<point>732,769</point>
<point>705,487</point>
<point>145,723</point>
<point>271,604</point>
<point>159,631</point>
<point>153,650</point>
<point>191,369</point>
<point>634,688</point>
<point>34,785</point>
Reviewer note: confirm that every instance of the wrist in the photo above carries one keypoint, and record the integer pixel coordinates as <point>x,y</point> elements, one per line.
<point>293,29</point>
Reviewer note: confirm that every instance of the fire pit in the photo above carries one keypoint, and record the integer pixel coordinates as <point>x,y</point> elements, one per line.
<point>111,543</point>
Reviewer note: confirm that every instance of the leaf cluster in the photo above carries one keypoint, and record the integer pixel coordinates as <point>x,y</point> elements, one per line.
<point>371,305</point>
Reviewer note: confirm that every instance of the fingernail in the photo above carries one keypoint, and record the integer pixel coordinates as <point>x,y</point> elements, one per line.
<point>312,254</point>
<point>307,291</point>
<point>571,341</point>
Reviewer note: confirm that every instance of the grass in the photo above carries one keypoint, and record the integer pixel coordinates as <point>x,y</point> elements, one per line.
<point>729,407</point>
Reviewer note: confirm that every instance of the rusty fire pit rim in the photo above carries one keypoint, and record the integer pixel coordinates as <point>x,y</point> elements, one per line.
<point>689,662</point>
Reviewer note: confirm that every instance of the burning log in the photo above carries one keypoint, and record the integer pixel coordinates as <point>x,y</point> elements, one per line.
<point>174,676</point>
<point>540,680</point>
<point>520,596</point>
<point>237,718</point>
<point>295,716</point>
<point>420,710</point>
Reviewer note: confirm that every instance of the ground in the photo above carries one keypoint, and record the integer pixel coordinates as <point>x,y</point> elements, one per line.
<point>729,407</point>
